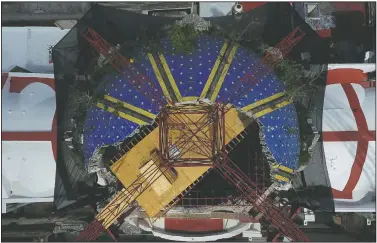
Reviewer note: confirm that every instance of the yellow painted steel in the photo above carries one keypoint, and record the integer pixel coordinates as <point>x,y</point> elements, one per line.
<point>109,213</point>
<point>162,183</point>
<point>223,73</point>
<point>275,166</point>
<point>170,77</point>
<point>281,178</point>
<point>269,110</point>
<point>121,114</point>
<point>262,102</point>
<point>131,107</point>
<point>189,98</point>
<point>128,167</point>
<point>213,71</point>
<point>286,169</point>
<point>159,77</point>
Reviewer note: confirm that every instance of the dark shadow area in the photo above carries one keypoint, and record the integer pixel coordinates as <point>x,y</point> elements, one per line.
<point>248,156</point>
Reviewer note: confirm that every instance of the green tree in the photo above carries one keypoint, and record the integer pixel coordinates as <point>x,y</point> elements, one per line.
<point>183,38</point>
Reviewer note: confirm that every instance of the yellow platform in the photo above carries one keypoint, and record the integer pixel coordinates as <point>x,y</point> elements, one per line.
<point>156,197</point>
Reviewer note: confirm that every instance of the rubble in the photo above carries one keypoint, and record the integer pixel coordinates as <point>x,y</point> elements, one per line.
<point>198,22</point>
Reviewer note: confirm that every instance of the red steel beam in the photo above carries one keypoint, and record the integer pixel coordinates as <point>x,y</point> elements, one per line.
<point>250,79</point>
<point>275,239</point>
<point>236,177</point>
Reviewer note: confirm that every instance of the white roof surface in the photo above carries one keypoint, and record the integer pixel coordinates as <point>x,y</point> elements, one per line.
<point>340,155</point>
<point>29,47</point>
<point>28,167</point>
<point>215,9</point>
<point>36,103</point>
<point>337,114</point>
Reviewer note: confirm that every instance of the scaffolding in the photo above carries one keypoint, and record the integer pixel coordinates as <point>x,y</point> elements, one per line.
<point>262,204</point>
<point>195,134</point>
<point>187,141</point>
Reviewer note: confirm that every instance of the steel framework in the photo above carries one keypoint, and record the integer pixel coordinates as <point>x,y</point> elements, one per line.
<point>281,50</point>
<point>202,137</point>
<point>127,196</point>
<point>210,149</point>
<point>260,174</point>
<point>277,235</point>
<point>194,200</point>
<point>191,135</point>
<point>262,204</point>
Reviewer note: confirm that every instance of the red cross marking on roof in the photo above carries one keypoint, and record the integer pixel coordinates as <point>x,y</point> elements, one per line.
<point>362,136</point>
<point>17,84</point>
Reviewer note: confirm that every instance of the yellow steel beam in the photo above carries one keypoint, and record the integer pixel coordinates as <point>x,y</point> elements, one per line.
<point>115,208</point>
<point>269,109</point>
<point>159,77</point>
<point>170,77</point>
<point>223,73</point>
<point>283,168</point>
<point>130,107</point>
<point>189,98</point>
<point>286,169</point>
<point>213,71</point>
<point>281,178</point>
<point>121,114</point>
<point>262,102</point>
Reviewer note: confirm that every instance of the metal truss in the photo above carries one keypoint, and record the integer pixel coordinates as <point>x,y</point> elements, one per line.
<point>262,205</point>
<point>278,235</point>
<point>186,141</point>
<point>284,47</point>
